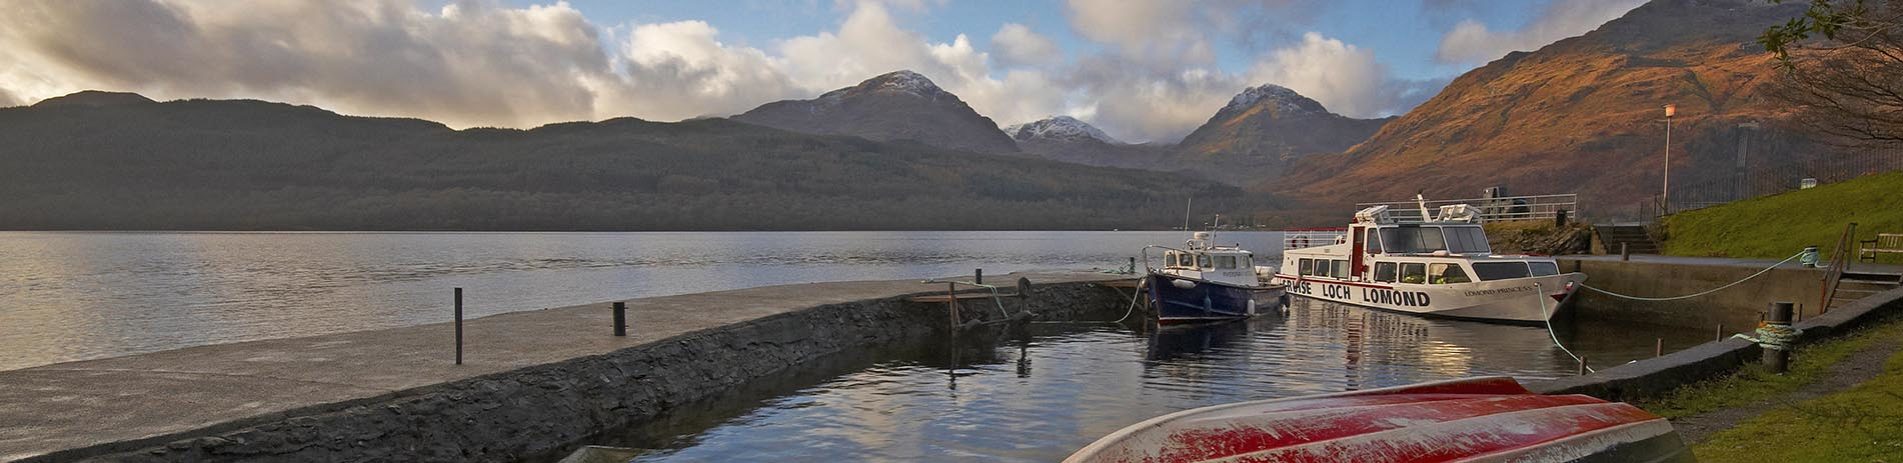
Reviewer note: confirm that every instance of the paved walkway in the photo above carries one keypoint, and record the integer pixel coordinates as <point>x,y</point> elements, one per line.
<point>1731,262</point>
<point>81,404</point>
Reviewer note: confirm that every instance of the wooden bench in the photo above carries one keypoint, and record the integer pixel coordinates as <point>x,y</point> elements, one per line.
<point>1867,250</point>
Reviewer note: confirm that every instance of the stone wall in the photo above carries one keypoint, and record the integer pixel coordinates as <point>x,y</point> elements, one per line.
<point>1737,308</point>
<point>540,411</point>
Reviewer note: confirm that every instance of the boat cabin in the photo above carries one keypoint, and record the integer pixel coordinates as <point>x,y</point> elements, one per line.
<point>1203,260</point>
<point>1451,249</point>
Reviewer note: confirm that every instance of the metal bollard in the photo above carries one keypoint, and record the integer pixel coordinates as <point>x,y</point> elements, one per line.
<point>459,326</point>
<point>1777,360</point>
<point>1625,251</point>
<point>1133,265</point>
<point>978,276</point>
<point>1718,334</point>
<point>1658,347</point>
<point>1582,364</point>
<point>621,319</point>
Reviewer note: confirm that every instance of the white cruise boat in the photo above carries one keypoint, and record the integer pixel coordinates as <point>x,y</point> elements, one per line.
<point>1442,266</point>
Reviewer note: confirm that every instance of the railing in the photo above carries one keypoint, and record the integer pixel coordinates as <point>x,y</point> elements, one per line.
<point>1537,207</point>
<point>1312,237</point>
<point>1839,261</point>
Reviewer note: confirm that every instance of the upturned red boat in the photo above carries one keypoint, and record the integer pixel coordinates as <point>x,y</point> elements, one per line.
<point>1488,419</point>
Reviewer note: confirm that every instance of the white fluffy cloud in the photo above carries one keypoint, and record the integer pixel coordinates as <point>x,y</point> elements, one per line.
<point>1471,42</point>
<point>1343,77</point>
<point>1017,44</point>
<point>481,63</point>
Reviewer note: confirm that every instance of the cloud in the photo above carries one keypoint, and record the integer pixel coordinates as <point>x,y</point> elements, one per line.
<point>469,63</point>
<point>482,63</point>
<point>1471,42</point>
<point>1343,77</point>
<point>1016,44</point>
<point>680,70</point>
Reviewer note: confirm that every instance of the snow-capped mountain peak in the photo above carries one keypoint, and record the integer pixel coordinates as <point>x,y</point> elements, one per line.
<point>1286,101</point>
<point>1058,128</point>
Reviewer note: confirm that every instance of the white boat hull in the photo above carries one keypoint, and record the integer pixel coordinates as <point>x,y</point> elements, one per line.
<point>1519,300</point>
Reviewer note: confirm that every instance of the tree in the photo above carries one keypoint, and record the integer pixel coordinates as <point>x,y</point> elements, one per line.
<point>1849,82</point>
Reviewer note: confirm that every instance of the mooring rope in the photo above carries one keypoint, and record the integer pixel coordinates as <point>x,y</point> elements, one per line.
<point>1689,296</point>
<point>1774,337</point>
<point>1541,293</point>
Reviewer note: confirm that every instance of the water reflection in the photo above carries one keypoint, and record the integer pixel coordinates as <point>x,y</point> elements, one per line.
<point>1038,393</point>
<point>71,296</point>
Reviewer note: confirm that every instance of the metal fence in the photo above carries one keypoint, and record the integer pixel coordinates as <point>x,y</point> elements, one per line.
<point>1715,188</point>
<point>1536,207</point>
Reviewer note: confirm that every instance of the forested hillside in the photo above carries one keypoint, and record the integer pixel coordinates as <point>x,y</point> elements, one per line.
<point>265,166</point>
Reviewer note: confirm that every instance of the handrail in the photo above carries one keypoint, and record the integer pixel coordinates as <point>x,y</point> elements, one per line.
<point>1839,261</point>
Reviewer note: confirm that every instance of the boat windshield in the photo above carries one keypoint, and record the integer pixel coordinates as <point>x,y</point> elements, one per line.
<point>1463,239</point>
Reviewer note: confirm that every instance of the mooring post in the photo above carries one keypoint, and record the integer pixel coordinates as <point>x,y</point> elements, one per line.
<point>978,276</point>
<point>621,319</point>
<point>951,303</point>
<point>1777,356</point>
<point>459,326</point>
<point>1582,364</point>
<point>1718,334</point>
<point>1625,251</point>
<point>1658,347</point>
<point>1133,266</point>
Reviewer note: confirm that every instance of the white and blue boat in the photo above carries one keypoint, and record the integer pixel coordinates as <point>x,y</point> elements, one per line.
<point>1205,282</point>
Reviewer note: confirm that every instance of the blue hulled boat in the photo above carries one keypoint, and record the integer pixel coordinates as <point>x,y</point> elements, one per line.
<point>1208,282</point>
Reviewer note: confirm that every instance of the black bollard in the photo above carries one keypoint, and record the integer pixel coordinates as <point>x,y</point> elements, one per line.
<point>978,276</point>
<point>621,319</point>
<point>1625,251</point>
<point>1778,360</point>
<point>459,326</point>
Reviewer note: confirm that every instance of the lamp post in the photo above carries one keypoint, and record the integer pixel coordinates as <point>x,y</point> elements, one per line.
<point>1665,191</point>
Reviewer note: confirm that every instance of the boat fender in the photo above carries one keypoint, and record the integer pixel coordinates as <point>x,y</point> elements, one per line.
<point>1185,284</point>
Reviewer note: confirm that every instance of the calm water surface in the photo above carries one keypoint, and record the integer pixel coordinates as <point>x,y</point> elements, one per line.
<point>1037,394</point>
<point>74,296</point>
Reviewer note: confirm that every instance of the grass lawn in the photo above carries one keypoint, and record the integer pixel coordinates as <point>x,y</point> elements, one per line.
<point>1863,424</point>
<point>1753,382</point>
<point>1776,226</point>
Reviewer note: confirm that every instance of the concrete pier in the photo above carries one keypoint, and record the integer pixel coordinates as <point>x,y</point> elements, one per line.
<point>532,381</point>
<point>1737,308</point>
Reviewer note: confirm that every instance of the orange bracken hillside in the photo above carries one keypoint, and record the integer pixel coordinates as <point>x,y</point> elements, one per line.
<point>1584,115</point>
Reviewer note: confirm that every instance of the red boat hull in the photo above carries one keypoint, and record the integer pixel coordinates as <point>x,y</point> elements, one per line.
<point>1471,420</point>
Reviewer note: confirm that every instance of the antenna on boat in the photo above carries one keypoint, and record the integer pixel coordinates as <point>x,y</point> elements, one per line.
<point>1186,204</point>
<point>1421,200</point>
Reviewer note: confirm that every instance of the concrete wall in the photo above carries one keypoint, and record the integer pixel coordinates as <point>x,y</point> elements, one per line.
<point>1738,308</point>
<point>540,412</point>
<point>1656,376</point>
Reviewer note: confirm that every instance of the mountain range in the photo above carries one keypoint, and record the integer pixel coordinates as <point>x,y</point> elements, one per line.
<point>1585,115</point>
<point>1581,115</point>
<point>98,160</point>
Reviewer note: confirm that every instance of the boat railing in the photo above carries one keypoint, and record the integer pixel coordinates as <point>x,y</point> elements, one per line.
<point>1496,209</point>
<point>1312,237</point>
<point>1146,256</point>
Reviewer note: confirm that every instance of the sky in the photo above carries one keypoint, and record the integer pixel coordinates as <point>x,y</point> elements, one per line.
<point>1141,70</point>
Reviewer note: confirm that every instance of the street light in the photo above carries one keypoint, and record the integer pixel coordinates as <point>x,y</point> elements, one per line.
<point>1665,191</point>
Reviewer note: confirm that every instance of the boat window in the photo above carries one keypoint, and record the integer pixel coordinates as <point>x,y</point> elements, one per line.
<point>1304,268</point>
<point>1384,272</point>
<point>1442,274</point>
<point>1413,240</point>
<point>1340,270</point>
<point>1467,240</point>
<point>1413,272</point>
<point>1226,262</point>
<point>1248,262</point>
<point>1541,269</point>
<point>1373,243</point>
<point>1489,271</point>
<point>1202,260</point>
<point>1169,259</point>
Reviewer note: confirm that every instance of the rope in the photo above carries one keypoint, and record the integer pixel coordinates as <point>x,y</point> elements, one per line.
<point>1126,313</point>
<point>1540,293</point>
<point>1774,337</point>
<point>994,294</point>
<point>1689,296</point>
